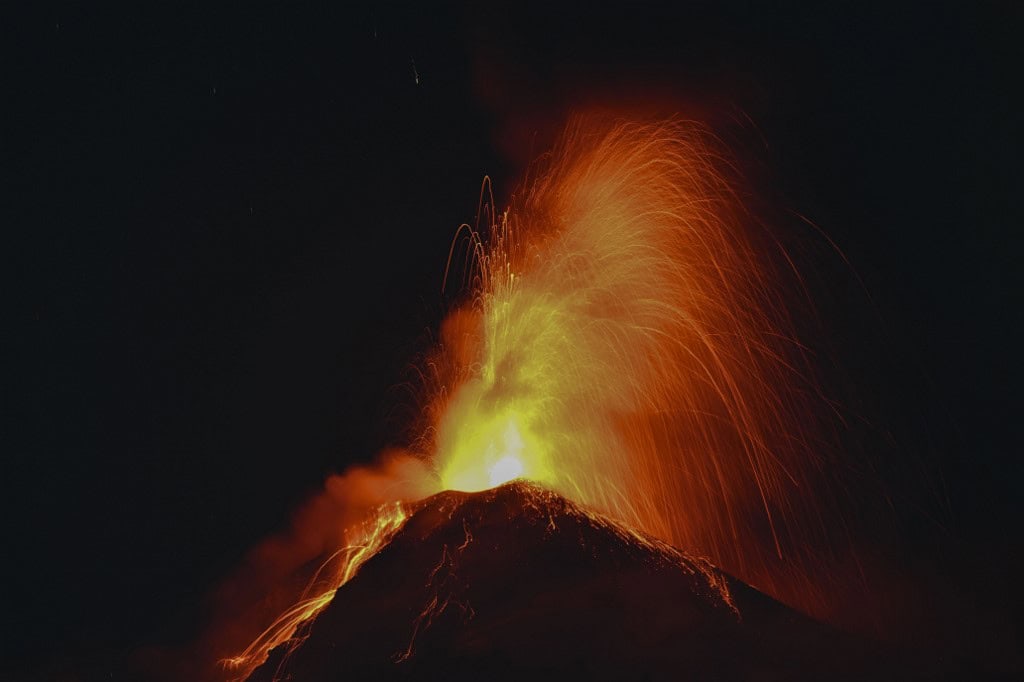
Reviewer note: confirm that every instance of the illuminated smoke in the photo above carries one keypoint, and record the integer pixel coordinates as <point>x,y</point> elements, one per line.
<point>356,514</point>
<point>627,344</point>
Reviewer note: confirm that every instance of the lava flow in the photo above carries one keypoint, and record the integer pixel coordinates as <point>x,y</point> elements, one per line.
<point>627,344</point>
<point>363,541</point>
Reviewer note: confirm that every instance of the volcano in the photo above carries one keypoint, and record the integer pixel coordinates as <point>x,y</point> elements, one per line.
<point>517,581</point>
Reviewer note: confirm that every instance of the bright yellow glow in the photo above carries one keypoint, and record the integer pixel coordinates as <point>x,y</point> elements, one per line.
<point>493,452</point>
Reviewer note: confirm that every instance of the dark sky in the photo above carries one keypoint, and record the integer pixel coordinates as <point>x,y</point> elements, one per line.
<point>227,228</point>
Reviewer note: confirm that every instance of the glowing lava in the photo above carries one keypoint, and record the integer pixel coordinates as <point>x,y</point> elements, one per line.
<point>364,541</point>
<point>628,345</point>
<point>493,453</point>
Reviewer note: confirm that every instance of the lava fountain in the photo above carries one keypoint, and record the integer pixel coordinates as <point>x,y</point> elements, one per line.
<point>629,345</point>
<point>627,342</point>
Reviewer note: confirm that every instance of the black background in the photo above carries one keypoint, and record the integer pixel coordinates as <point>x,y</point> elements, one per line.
<point>227,228</point>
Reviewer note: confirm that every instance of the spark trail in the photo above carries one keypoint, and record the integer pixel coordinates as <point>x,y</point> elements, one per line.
<point>628,343</point>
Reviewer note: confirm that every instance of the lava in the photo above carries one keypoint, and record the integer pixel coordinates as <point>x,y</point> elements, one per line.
<point>364,541</point>
<point>627,343</point>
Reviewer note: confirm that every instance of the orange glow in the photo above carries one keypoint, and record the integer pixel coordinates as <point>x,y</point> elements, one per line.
<point>628,343</point>
<point>363,542</point>
<point>628,346</point>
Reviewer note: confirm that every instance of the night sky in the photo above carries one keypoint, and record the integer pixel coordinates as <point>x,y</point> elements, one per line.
<point>227,229</point>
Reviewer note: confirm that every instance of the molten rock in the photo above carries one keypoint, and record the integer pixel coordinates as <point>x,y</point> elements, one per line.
<point>517,581</point>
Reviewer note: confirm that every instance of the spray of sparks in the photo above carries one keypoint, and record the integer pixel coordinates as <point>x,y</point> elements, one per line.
<point>628,347</point>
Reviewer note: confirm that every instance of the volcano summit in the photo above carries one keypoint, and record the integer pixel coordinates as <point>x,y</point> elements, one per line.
<point>516,581</point>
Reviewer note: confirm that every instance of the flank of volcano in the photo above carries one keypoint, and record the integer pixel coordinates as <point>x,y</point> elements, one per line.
<point>517,580</point>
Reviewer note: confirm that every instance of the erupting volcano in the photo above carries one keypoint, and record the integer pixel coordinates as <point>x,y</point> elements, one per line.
<point>517,582</point>
<point>628,348</point>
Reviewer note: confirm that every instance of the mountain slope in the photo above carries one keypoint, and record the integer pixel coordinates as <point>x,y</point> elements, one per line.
<point>517,581</point>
